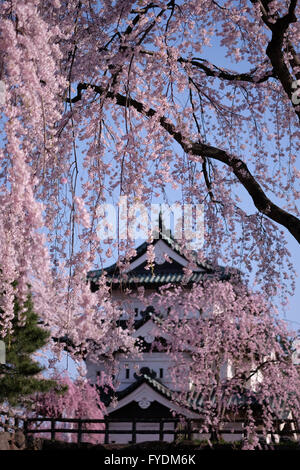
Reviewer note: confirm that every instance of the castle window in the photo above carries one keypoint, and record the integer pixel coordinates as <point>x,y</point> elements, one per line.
<point>127,372</point>
<point>161,373</point>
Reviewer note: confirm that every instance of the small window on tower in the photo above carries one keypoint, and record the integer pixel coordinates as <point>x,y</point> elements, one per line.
<point>161,373</point>
<point>127,373</point>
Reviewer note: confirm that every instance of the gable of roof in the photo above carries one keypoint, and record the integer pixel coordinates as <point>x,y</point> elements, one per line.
<point>194,401</point>
<point>162,272</point>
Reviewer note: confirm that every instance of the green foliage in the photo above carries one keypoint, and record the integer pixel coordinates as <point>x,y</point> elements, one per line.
<point>20,377</point>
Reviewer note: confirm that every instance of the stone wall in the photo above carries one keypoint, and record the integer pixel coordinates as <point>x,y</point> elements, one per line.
<point>12,441</point>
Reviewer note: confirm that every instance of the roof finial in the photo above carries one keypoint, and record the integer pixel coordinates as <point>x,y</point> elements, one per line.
<point>161,231</point>
<point>164,232</point>
<point>160,223</point>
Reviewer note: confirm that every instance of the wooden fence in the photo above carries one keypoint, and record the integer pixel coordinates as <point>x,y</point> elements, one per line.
<point>10,422</point>
<point>185,429</point>
<point>104,428</point>
<point>188,429</point>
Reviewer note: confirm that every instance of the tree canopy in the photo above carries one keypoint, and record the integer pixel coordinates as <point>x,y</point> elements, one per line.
<point>189,101</point>
<point>166,101</point>
<point>21,376</point>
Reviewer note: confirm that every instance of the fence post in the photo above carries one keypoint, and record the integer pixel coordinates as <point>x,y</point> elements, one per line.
<point>79,435</point>
<point>176,422</point>
<point>161,430</point>
<point>133,431</point>
<point>244,433</point>
<point>25,428</point>
<point>106,437</point>
<point>53,429</point>
<point>189,429</point>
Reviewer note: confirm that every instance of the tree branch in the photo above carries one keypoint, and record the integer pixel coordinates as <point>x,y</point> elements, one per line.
<point>212,70</point>
<point>275,47</point>
<point>239,168</point>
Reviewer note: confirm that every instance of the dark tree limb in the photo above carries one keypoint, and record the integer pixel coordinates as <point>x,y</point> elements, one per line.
<point>279,26</point>
<point>212,70</point>
<point>239,168</point>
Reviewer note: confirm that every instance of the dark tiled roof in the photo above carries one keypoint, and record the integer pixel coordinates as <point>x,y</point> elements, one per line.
<point>154,383</point>
<point>162,279</point>
<point>160,274</point>
<point>194,400</point>
<point>108,394</point>
<point>164,273</point>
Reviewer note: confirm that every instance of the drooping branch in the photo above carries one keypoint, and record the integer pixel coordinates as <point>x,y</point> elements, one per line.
<point>239,168</point>
<point>212,70</point>
<point>259,198</point>
<point>274,49</point>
